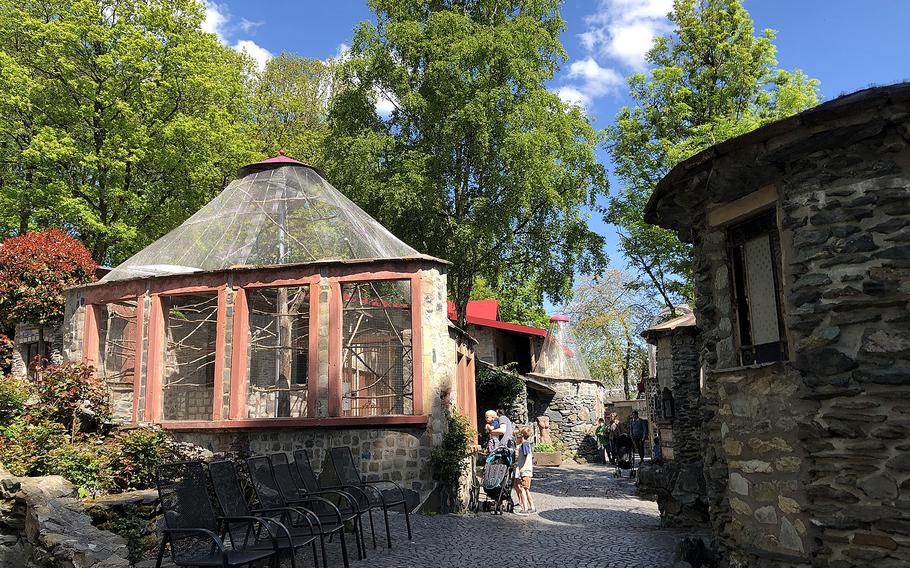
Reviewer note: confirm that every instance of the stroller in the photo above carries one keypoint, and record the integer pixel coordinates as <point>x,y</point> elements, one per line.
<point>624,455</point>
<point>497,481</point>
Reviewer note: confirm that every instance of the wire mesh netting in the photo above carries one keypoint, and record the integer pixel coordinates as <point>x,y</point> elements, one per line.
<point>117,334</point>
<point>377,358</point>
<point>189,357</point>
<point>285,214</point>
<point>279,352</point>
<point>560,356</point>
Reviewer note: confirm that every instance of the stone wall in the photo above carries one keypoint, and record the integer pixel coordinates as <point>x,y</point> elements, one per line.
<point>573,412</point>
<point>43,524</point>
<point>399,454</point>
<point>806,460</point>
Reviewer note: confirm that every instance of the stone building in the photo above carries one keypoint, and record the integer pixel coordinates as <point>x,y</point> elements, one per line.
<point>801,234</point>
<point>674,405</point>
<point>281,316</point>
<point>578,400</point>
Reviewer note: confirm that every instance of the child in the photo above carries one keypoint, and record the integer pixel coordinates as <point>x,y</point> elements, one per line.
<point>602,443</point>
<point>525,468</point>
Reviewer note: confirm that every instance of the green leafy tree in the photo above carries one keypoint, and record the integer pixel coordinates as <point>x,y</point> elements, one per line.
<point>608,315</point>
<point>520,301</point>
<point>474,159</point>
<point>713,78</point>
<point>118,119</point>
<point>290,106</point>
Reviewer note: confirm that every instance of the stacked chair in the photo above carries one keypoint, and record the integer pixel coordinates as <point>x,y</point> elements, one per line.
<point>290,512</point>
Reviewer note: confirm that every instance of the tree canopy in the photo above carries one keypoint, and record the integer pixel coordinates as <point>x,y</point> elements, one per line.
<point>713,78</point>
<point>473,159</point>
<point>117,119</point>
<point>608,315</point>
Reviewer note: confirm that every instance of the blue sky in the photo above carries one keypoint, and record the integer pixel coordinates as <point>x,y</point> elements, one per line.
<point>846,44</point>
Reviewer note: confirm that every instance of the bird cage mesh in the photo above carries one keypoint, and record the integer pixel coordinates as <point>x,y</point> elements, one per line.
<point>276,212</point>
<point>559,355</point>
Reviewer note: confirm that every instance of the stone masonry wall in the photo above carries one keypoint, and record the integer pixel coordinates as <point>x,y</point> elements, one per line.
<point>806,460</point>
<point>573,415</point>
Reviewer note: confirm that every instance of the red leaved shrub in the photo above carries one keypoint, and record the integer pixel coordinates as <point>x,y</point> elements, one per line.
<point>35,268</point>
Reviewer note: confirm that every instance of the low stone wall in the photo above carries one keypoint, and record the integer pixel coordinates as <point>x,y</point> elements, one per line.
<point>399,454</point>
<point>135,516</point>
<point>43,524</point>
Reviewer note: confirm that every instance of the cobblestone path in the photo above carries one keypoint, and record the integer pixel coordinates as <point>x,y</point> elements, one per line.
<point>586,518</point>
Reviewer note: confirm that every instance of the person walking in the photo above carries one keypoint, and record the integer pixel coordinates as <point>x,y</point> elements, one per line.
<point>524,466</point>
<point>614,429</point>
<point>638,430</point>
<point>603,443</point>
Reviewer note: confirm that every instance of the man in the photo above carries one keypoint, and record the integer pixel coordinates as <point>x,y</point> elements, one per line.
<point>638,430</point>
<point>500,430</point>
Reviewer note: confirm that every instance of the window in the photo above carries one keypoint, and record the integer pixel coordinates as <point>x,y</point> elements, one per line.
<point>754,256</point>
<point>279,352</point>
<point>117,340</point>
<point>377,354</point>
<point>189,357</point>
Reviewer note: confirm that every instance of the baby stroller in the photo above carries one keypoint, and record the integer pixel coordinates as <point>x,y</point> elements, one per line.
<point>497,481</point>
<point>624,455</point>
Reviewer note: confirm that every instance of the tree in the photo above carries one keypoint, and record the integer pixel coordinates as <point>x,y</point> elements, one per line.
<point>608,315</point>
<point>35,269</point>
<point>118,119</point>
<point>290,106</point>
<point>712,79</point>
<point>474,160</point>
<point>520,302</point>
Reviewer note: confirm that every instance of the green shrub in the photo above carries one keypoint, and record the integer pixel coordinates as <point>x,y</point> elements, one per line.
<point>135,455</point>
<point>13,395</point>
<point>23,444</point>
<point>544,447</point>
<point>71,395</point>
<point>82,464</point>
<point>448,459</point>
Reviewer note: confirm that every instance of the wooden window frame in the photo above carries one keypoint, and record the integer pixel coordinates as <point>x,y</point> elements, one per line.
<point>761,223</point>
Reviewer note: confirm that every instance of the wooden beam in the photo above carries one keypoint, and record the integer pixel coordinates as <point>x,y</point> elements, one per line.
<point>733,211</point>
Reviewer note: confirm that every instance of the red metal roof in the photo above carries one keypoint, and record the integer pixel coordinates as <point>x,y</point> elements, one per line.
<point>485,313</point>
<point>280,159</point>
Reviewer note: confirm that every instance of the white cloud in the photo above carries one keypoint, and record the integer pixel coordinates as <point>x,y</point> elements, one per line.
<point>625,29</point>
<point>247,26</point>
<point>384,104</point>
<point>259,54</point>
<point>218,21</point>
<point>619,33</point>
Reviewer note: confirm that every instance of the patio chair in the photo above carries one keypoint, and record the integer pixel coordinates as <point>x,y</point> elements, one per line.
<point>347,474</point>
<point>191,526</point>
<point>293,487</point>
<point>268,492</point>
<point>308,477</point>
<point>229,494</point>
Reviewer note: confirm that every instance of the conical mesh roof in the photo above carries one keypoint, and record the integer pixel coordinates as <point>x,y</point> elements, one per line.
<point>560,356</point>
<point>276,212</point>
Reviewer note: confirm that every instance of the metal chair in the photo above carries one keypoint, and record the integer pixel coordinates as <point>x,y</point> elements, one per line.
<point>347,474</point>
<point>191,526</point>
<point>233,504</point>
<point>268,492</point>
<point>308,477</point>
<point>293,486</point>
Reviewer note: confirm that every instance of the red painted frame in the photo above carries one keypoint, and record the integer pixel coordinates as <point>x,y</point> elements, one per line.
<point>275,277</point>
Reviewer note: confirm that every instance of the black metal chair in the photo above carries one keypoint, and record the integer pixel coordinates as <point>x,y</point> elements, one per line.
<point>268,492</point>
<point>191,526</point>
<point>293,487</point>
<point>311,482</point>
<point>347,474</point>
<point>233,504</point>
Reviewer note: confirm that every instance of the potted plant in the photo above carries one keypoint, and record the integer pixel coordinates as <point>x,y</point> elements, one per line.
<point>547,454</point>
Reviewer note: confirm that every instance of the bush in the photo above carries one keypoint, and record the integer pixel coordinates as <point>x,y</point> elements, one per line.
<point>448,459</point>
<point>544,447</point>
<point>13,395</point>
<point>82,464</point>
<point>71,395</point>
<point>135,456</point>
<point>6,354</point>
<point>23,444</point>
